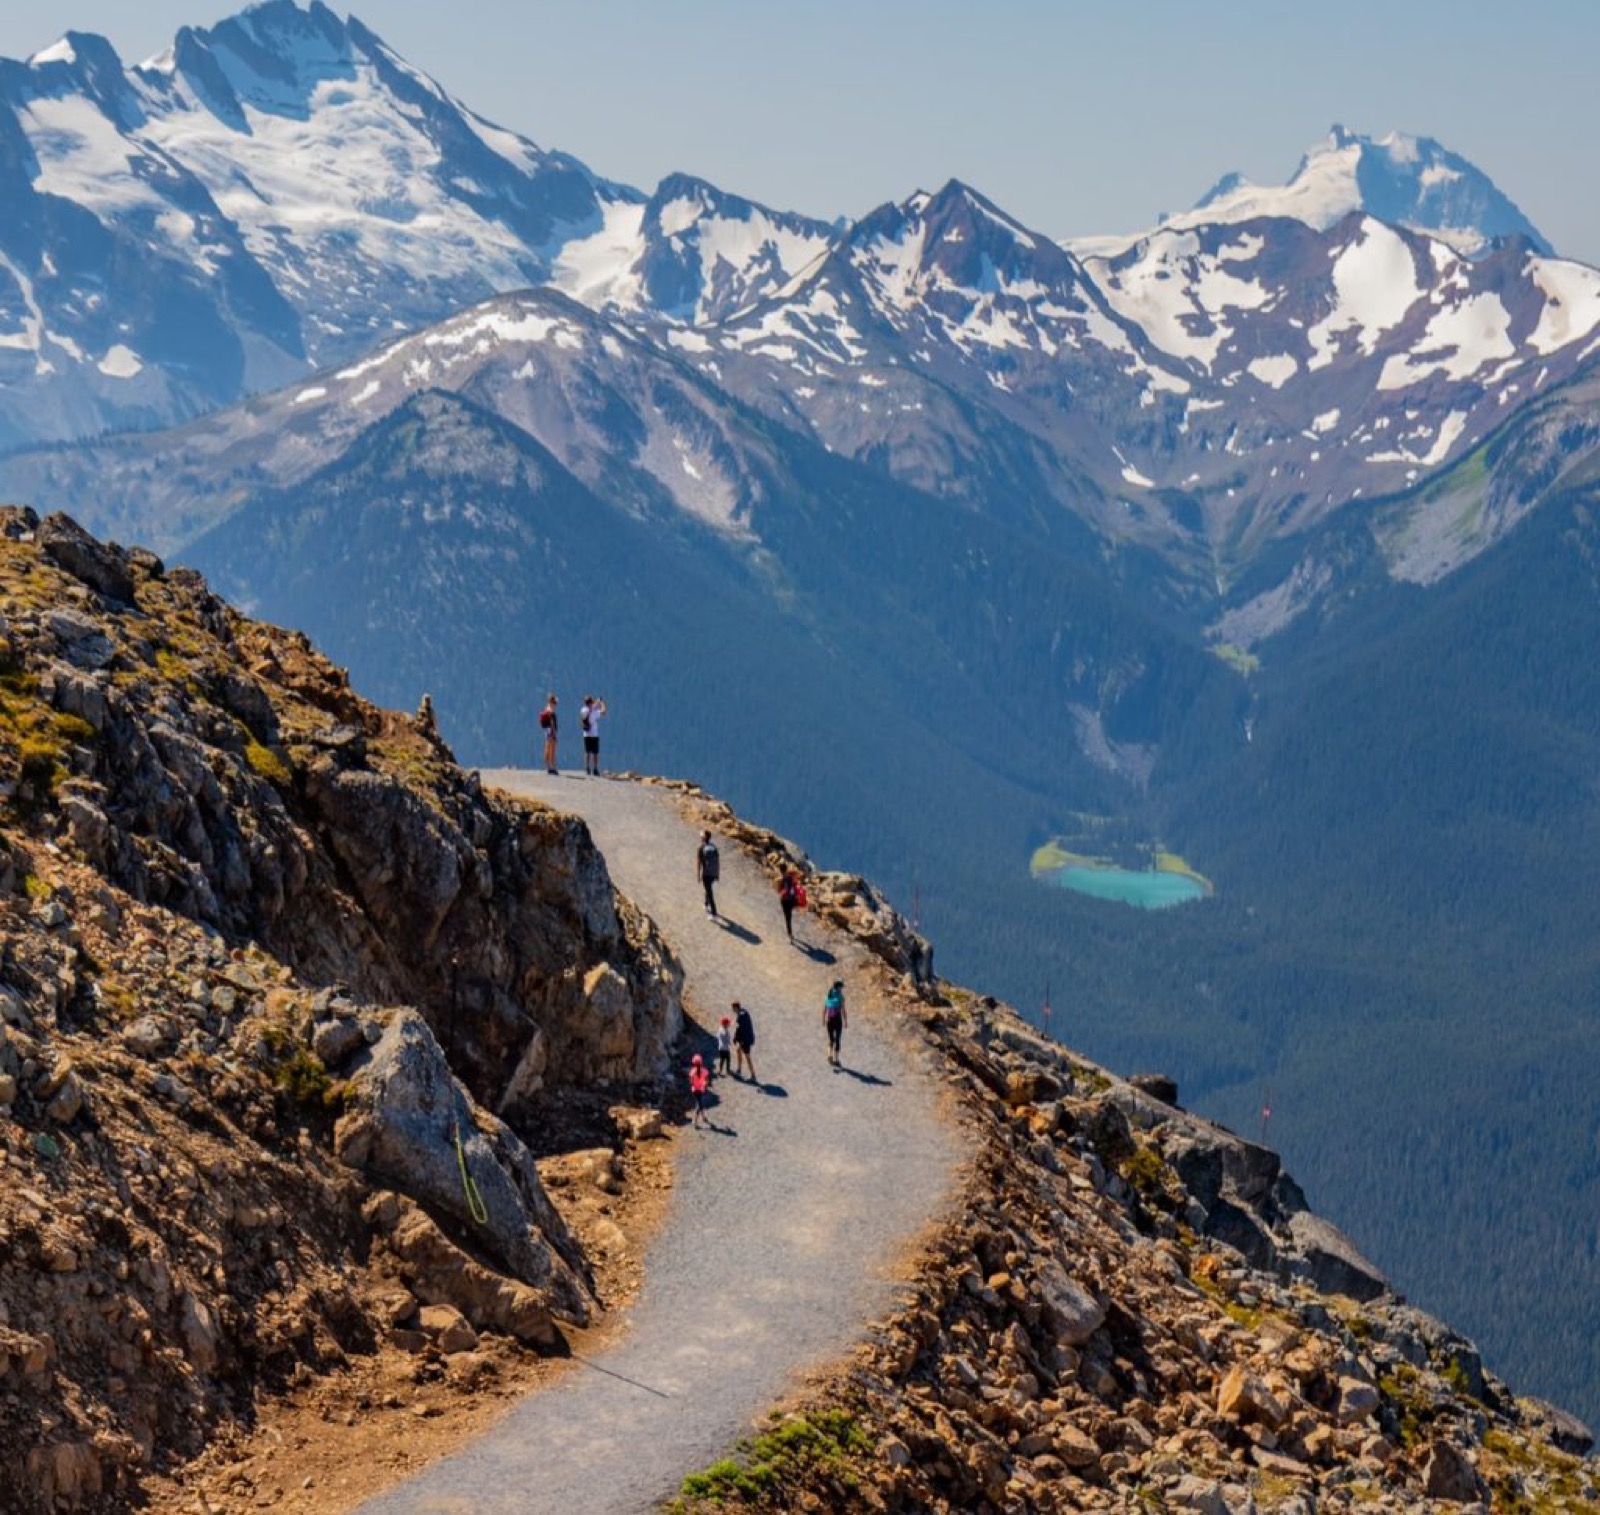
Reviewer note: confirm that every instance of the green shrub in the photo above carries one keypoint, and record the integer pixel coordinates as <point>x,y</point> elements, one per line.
<point>1144,1169</point>
<point>777,1461</point>
<point>303,1078</point>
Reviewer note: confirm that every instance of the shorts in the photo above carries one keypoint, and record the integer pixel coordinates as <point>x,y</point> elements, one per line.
<point>591,745</point>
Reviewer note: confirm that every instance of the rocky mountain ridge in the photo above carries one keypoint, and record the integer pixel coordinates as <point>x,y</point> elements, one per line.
<point>1132,1307</point>
<point>237,1147</point>
<point>234,1146</point>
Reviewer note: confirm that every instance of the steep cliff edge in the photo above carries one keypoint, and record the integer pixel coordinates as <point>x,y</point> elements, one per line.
<point>273,968</point>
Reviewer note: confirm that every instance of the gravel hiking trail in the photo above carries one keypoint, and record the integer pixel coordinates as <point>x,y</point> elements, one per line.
<point>788,1213</point>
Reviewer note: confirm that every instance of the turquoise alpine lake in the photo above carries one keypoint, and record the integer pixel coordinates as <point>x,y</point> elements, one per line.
<point>1149,890</point>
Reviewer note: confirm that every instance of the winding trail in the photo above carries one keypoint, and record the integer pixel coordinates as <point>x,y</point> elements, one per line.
<point>785,1221</point>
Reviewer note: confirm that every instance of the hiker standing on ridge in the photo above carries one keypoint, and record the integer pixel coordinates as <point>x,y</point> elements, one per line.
<point>589,724</point>
<point>744,1041</point>
<point>834,1019</point>
<point>547,721</point>
<point>708,869</point>
<point>791,895</point>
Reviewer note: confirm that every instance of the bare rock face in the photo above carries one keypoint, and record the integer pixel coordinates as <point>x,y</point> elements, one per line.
<point>1074,1313</point>
<point>1450,1475</point>
<point>101,567</point>
<point>234,777</point>
<point>438,1271</point>
<point>1244,1397</point>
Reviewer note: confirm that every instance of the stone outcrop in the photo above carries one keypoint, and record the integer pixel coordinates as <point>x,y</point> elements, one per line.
<point>230,774</point>
<point>266,952</point>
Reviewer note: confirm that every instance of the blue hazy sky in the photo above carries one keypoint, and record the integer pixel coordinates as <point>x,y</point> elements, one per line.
<point>1076,118</point>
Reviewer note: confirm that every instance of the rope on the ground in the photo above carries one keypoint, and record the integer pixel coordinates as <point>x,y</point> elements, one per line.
<point>475,1205</point>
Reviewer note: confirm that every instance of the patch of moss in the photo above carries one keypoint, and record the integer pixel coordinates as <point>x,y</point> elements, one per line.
<point>1454,1374</point>
<point>1271,1489</point>
<point>73,729</point>
<point>1090,1079</point>
<point>35,887</point>
<point>1248,1316</point>
<point>277,1038</point>
<point>268,764</point>
<point>1413,1408</point>
<point>41,735</point>
<point>15,680</point>
<point>171,667</point>
<point>38,765</point>
<point>1144,1169</point>
<point>777,1462</point>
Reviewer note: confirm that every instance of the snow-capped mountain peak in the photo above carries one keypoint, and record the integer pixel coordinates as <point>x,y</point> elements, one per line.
<point>691,253</point>
<point>291,190</point>
<point>1407,181</point>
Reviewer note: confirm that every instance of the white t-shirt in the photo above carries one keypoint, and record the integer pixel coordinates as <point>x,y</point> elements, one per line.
<point>590,720</point>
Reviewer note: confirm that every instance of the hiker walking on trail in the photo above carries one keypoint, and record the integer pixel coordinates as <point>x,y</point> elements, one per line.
<point>589,724</point>
<point>708,869</point>
<point>744,1040</point>
<point>791,896</point>
<point>834,1019</point>
<point>547,723</point>
<point>725,1046</point>
<point>699,1082</point>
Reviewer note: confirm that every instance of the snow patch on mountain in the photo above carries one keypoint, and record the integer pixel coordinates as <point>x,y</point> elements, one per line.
<point>120,362</point>
<point>1571,303</point>
<point>1375,285</point>
<point>1442,439</point>
<point>1459,341</point>
<point>599,270</point>
<point>1274,371</point>
<point>1179,295</point>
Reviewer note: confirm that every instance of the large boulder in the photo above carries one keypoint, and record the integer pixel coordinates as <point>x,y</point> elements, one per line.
<point>438,1272</point>
<point>404,1116</point>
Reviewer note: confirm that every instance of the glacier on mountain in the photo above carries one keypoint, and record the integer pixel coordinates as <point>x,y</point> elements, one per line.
<point>1407,181</point>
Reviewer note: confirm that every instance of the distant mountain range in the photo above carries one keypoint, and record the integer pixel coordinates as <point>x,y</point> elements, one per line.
<point>1268,534</point>
<point>281,192</point>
